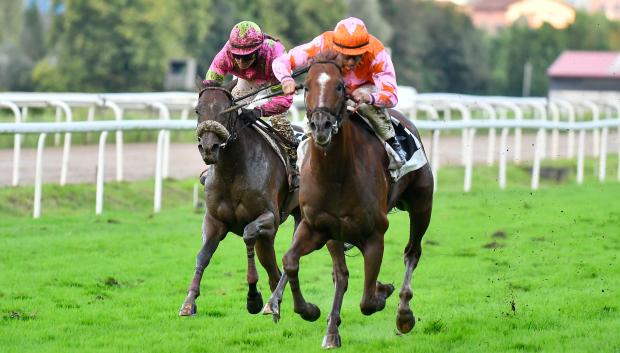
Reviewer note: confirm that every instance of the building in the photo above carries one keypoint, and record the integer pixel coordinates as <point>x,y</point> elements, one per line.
<point>585,75</point>
<point>493,15</point>
<point>611,8</point>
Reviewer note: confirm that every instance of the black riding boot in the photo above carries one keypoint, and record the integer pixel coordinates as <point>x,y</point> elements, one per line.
<point>397,148</point>
<point>293,174</point>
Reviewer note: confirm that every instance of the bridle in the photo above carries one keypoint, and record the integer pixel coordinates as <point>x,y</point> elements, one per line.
<point>338,113</point>
<point>230,116</point>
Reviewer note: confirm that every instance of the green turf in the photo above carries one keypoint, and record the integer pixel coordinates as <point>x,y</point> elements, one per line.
<point>502,271</point>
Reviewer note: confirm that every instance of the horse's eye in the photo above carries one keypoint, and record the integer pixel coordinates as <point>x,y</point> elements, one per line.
<point>340,87</point>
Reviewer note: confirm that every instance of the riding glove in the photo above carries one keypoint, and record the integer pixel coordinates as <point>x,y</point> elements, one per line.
<point>250,115</point>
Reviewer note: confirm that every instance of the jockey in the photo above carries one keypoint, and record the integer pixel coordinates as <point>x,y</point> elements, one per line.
<point>368,73</point>
<point>248,55</point>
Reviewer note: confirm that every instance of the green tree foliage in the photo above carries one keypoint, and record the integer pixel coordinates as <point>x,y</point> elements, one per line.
<point>369,11</point>
<point>32,39</point>
<point>518,45</point>
<point>436,47</point>
<point>10,20</point>
<point>111,45</point>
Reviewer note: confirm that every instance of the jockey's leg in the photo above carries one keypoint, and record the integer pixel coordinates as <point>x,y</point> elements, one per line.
<point>244,87</point>
<point>379,118</point>
<point>381,123</point>
<point>281,124</point>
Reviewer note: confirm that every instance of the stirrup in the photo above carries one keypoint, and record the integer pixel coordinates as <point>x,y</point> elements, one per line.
<point>293,176</point>
<point>202,177</point>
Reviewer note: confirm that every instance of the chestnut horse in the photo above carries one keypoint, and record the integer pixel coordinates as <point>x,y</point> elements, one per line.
<point>345,194</point>
<point>246,192</point>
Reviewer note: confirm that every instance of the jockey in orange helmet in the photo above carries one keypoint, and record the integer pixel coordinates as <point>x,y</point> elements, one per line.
<point>368,72</point>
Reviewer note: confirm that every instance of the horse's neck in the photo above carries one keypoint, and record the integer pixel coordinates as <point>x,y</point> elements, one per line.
<point>236,157</point>
<point>337,161</point>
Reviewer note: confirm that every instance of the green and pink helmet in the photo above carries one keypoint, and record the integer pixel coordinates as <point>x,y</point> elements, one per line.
<point>245,38</point>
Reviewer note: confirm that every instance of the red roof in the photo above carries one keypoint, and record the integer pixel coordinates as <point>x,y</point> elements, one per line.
<point>491,5</point>
<point>598,64</point>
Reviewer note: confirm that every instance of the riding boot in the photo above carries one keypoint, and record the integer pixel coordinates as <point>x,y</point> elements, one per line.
<point>293,174</point>
<point>203,176</point>
<point>397,148</point>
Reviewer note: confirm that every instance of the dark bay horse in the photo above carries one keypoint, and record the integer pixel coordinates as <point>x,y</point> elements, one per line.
<point>246,192</point>
<point>345,195</point>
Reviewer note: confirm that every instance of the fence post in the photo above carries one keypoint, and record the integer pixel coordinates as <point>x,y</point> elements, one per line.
<point>100,173</point>
<point>17,144</point>
<point>38,176</point>
<point>158,171</point>
<point>118,115</point>
<point>67,141</point>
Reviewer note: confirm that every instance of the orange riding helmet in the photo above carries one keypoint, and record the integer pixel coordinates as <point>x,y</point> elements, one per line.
<point>351,37</point>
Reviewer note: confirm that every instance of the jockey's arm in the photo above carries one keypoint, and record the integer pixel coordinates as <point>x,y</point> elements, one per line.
<point>220,67</point>
<point>295,58</point>
<point>385,80</point>
<point>276,105</point>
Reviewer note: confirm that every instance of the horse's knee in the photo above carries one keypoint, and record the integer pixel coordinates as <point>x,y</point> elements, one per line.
<point>290,264</point>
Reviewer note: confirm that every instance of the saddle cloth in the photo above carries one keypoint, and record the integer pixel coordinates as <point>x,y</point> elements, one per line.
<point>416,158</point>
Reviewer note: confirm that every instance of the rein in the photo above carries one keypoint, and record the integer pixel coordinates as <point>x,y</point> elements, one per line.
<point>229,137</point>
<point>337,115</point>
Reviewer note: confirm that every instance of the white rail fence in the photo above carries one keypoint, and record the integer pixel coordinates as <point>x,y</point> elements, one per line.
<point>547,117</point>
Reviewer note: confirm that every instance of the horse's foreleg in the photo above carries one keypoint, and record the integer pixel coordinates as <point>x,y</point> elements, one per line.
<point>405,321</point>
<point>341,279</point>
<point>375,293</point>
<point>262,227</point>
<point>213,231</point>
<point>305,241</point>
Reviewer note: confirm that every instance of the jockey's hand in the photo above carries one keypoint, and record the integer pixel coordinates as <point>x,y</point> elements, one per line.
<point>250,115</point>
<point>288,87</point>
<point>362,97</point>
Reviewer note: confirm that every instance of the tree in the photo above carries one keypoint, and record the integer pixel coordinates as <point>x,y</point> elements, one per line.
<point>112,45</point>
<point>369,11</point>
<point>436,47</point>
<point>32,40</point>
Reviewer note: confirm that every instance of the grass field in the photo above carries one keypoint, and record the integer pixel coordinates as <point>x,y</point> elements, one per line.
<point>502,271</point>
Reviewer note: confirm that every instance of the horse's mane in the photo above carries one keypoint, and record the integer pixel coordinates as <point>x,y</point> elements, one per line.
<point>228,86</point>
<point>327,55</point>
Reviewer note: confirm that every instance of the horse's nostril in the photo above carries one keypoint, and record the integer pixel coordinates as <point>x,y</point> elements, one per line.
<point>313,126</point>
<point>328,125</point>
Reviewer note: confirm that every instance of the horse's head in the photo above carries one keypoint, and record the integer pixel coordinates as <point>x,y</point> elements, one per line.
<point>325,97</point>
<point>214,128</point>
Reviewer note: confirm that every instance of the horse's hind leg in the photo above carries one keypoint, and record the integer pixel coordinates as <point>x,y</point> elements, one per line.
<point>305,241</point>
<point>273,304</point>
<point>419,222</point>
<point>262,227</point>
<point>341,279</point>
<point>213,231</point>
<point>375,293</point>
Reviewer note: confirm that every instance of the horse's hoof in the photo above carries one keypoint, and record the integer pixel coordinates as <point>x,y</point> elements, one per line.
<point>331,340</point>
<point>267,309</point>
<point>405,321</point>
<point>312,312</point>
<point>255,303</point>
<point>384,290</point>
<point>273,310</point>
<point>188,309</point>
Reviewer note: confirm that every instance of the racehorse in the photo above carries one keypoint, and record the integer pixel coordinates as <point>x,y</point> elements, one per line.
<point>345,194</point>
<point>246,192</point>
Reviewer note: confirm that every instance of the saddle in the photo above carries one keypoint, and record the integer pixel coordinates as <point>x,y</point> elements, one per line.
<point>416,158</point>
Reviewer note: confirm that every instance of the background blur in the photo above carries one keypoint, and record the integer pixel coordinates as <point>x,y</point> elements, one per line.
<point>475,47</point>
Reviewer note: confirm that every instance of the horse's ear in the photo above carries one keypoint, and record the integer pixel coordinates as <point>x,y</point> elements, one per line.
<point>230,85</point>
<point>198,82</point>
